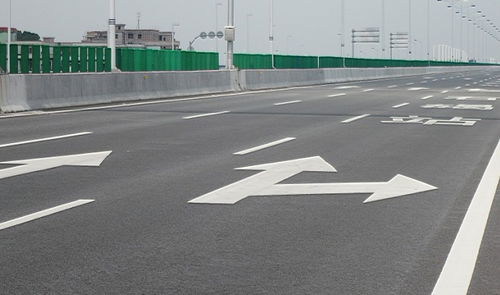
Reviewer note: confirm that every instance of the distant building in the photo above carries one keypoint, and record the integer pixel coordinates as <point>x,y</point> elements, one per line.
<point>4,34</point>
<point>134,37</point>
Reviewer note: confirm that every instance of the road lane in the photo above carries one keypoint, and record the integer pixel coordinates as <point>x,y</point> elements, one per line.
<point>141,235</point>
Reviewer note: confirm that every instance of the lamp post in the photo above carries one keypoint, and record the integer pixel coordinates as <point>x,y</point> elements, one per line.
<point>249,15</point>
<point>9,37</point>
<point>112,33</point>
<point>429,32</point>
<point>342,33</point>
<point>271,31</point>
<point>230,34</point>
<point>409,29</point>
<point>382,33</point>
<point>174,25</point>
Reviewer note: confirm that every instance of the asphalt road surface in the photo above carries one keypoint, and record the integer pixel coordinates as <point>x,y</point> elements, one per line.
<point>374,187</point>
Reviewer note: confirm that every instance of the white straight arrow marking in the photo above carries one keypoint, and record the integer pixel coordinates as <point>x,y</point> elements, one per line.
<point>44,213</point>
<point>266,184</point>
<point>35,165</point>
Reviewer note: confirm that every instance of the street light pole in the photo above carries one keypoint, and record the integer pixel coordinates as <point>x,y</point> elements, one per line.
<point>230,39</point>
<point>382,35</point>
<point>342,34</point>
<point>429,32</point>
<point>271,31</point>
<point>409,29</point>
<point>112,33</point>
<point>9,37</point>
<point>173,35</point>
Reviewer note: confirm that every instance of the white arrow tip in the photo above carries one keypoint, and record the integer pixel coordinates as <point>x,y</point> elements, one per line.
<point>400,186</point>
<point>91,160</point>
<point>313,164</point>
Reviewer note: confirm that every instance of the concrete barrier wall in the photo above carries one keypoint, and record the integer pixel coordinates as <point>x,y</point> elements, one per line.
<point>36,92</point>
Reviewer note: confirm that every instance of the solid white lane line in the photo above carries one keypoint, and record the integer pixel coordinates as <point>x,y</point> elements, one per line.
<point>368,90</point>
<point>457,272</point>
<point>400,105</point>
<point>205,115</point>
<point>264,146</point>
<point>337,95</point>
<point>427,97</point>
<point>43,213</point>
<point>287,102</point>
<point>44,139</point>
<point>355,118</point>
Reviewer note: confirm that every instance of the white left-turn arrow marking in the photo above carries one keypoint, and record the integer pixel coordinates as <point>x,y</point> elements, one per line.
<point>35,165</point>
<point>266,184</point>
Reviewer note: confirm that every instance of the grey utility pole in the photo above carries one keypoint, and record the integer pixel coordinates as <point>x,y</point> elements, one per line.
<point>9,37</point>
<point>230,35</point>
<point>342,33</point>
<point>112,33</point>
<point>271,31</point>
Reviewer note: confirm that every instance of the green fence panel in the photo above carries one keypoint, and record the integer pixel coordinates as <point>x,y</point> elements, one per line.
<point>107,59</point>
<point>84,59</point>
<point>3,57</point>
<point>25,59</point>
<point>92,57</point>
<point>66,59</point>
<point>46,67</point>
<point>56,59</point>
<point>100,59</point>
<point>14,59</point>
<point>75,59</point>
<point>35,59</point>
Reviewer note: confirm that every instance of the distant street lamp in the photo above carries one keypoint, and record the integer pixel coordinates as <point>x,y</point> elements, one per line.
<point>112,33</point>
<point>9,37</point>
<point>174,25</point>
<point>271,31</point>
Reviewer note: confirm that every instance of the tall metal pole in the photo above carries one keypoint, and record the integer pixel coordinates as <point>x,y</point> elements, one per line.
<point>342,33</point>
<point>382,35</point>
<point>230,43</point>
<point>9,37</point>
<point>409,29</point>
<point>452,32</point>
<point>429,32</point>
<point>271,31</point>
<point>112,33</point>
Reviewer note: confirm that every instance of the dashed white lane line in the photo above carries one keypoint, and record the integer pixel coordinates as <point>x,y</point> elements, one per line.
<point>205,115</point>
<point>287,102</point>
<point>355,118</point>
<point>392,86</point>
<point>44,139</point>
<point>264,146</point>
<point>457,272</point>
<point>408,84</point>
<point>337,95</point>
<point>427,97</point>
<point>347,87</point>
<point>44,213</point>
<point>368,90</point>
<point>400,105</point>
<point>459,87</point>
<point>444,91</point>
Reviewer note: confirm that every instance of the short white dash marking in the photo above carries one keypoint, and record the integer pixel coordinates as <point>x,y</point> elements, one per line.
<point>459,87</point>
<point>205,115</point>
<point>355,118</point>
<point>445,91</point>
<point>265,146</point>
<point>347,87</point>
<point>368,90</point>
<point>400,105</point>
<point>337,95</point>
<point>287,102</point>
<point>408,84</point>
<point>392,86</point>
<point>427,97</point>
<point>457,272</point>
<point>44,213</point>
<point>44,139</point>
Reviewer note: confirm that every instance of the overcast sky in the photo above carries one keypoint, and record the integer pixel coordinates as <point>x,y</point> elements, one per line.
<point>301,27</point>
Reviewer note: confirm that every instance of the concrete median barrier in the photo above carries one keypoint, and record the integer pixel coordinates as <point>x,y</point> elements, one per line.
<point>49,91</point>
